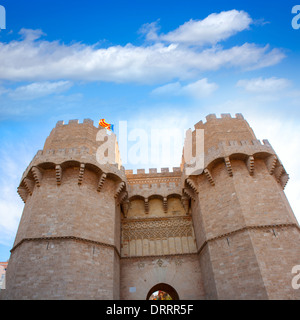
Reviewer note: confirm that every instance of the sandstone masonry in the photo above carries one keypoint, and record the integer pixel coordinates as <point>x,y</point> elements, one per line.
<point>98,231</point>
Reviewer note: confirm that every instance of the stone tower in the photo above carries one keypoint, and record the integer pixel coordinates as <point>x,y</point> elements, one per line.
<point>96,231</point>
<point>70,228</point>
<point>248,238</point>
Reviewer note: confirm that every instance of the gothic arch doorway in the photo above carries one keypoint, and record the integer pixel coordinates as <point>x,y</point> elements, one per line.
<point>165,288</point>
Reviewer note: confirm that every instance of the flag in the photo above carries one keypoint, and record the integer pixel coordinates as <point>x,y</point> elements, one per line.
<point>106,125</point>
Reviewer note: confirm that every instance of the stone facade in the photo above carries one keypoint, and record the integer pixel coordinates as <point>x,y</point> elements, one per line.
<point>3,266</point>
<point>93,230</point>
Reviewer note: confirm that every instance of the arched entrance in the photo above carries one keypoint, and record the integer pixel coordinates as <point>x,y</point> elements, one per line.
<point>165,288</point>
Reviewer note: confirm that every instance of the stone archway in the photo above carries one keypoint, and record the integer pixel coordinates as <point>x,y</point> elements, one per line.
<point>164,287</point>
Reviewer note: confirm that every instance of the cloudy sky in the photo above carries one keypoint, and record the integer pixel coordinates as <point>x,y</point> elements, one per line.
<point>161,66</point>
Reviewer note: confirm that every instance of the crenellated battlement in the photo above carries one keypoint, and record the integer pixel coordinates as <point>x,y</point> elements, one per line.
<point>82,154</point>
<point>147,184</point>
<point>74,122</point>
<point>210,117</point>
<point>77,135</point>
<point>161,180</point>
<point>243,147</point>
<point>223,116</point>
<point>246,151</point>
<point>153,171</point>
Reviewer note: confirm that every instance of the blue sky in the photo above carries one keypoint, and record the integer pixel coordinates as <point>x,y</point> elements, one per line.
<point>155,64</point>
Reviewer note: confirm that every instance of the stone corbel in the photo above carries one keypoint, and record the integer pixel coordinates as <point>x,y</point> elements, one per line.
<point>37,175</point>
<point>23,193</point>
<point>29,185</point>
<point>278,172</point>
<point>165,204</point>
<point>284,180</point>
<point>250,165</point>
<point>192,185</point>
<point>209,177</point>
<point>123,197</point>
<point>101,181</point>
<point>189,193</point>
<point>146,201</point>
<point>228,166</point>
<point>58,173</point>
<point>186,204</point>
<point>271,163</point>
<point>120,187</point>
<point>81,172</point>
<point>125,207</point>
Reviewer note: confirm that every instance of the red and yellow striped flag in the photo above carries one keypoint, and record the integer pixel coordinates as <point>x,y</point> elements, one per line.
<point>106,125</point>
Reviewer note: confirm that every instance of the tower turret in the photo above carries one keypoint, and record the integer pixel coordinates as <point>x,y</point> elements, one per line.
<point>68,240</point>
<point>246,232</point>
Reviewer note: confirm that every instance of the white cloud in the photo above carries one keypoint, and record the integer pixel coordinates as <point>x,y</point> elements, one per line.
<point>39,89</point>
<point>14,159</point>
<point>30,34</point>
<point>199,89</point>
<point>264,86</point>
<point>33,59</point>
<point>214,28</point>
<point>168,89</point>
<point>149,30</point>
